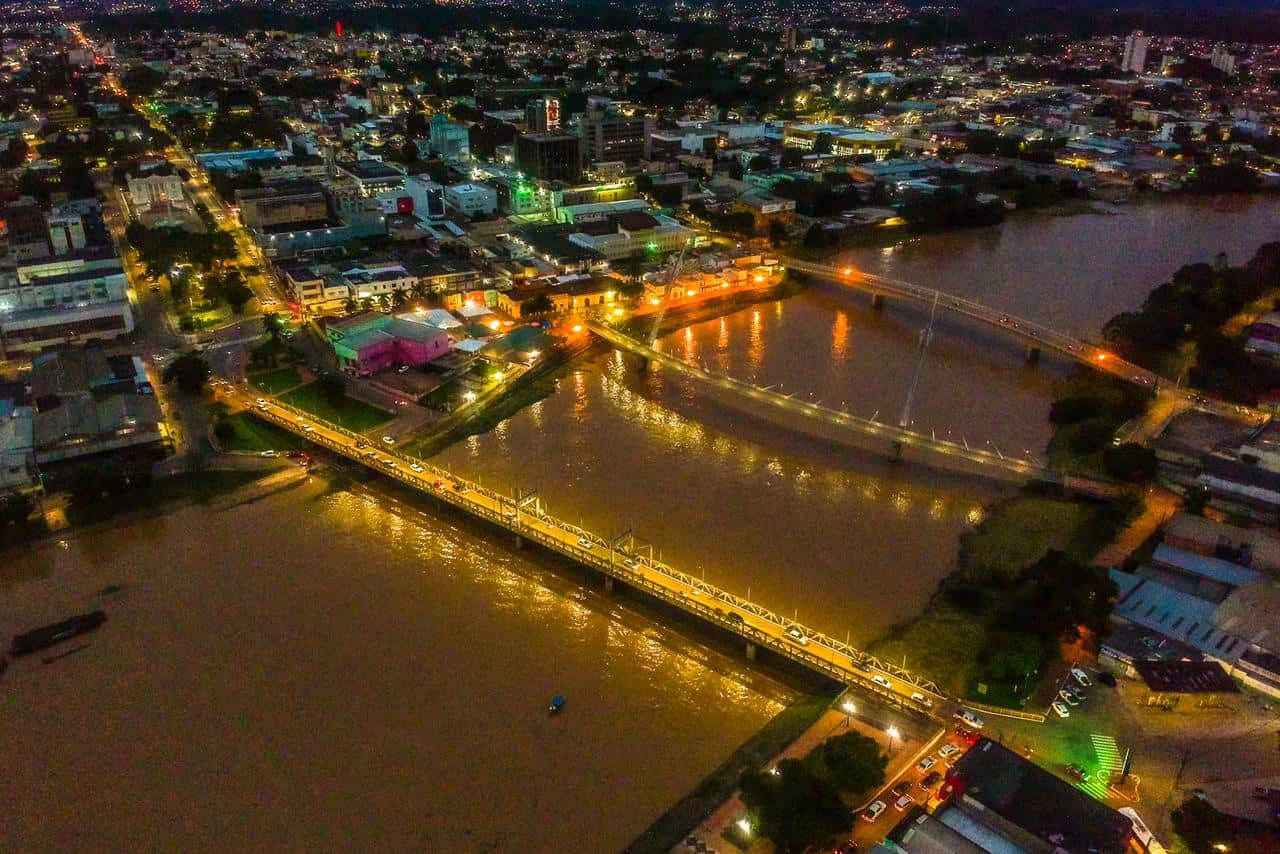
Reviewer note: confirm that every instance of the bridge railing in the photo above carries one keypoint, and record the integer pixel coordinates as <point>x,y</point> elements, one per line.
<point>701,597</point>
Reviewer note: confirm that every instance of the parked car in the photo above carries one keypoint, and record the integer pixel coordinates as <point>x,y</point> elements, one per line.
<point>903,802</point>
<point>1081,677</point>
<point>872,812</point>
<point>1079,773</point>
<point>928,780</point>
<point>948,749</point>
<point>926,763</point>
<point>969,719</point>
<point>1068,698</point>
<point>1061,709</point>
<point>901,787</point>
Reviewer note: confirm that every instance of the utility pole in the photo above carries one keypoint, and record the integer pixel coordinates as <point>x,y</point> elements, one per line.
<point>926,335</point>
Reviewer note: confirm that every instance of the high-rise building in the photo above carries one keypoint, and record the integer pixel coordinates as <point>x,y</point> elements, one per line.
<point>1135,52</point>
<point>450,141</point>
<point>542,115</point>
<point>1223,61</point>
<point>549,156</point>
<point>608,136</point>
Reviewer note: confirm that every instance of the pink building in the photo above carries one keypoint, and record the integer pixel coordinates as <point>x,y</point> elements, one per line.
<point>370,342</point>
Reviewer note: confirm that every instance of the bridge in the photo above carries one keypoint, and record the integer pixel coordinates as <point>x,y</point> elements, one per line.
<point>1036,336</point>
<point>616,558</point>
<point>979,459</point>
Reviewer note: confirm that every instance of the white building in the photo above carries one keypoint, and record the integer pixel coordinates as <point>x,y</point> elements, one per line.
<point>471,199</point>
<point>156,191</point>
<point>1223,61</point>
<point>66,231</point>
<point>1135,52</point>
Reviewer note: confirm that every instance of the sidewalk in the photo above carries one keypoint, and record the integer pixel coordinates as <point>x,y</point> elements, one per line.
<point>903,753</point>
<point>1159,505</point>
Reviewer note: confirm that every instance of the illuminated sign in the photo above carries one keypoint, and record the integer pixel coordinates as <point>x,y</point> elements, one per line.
<point>553,113</point>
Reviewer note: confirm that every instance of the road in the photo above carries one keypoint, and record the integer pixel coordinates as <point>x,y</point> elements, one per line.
<point>527,519</point>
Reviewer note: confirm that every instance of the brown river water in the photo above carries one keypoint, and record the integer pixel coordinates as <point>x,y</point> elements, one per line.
<point>323,670</point>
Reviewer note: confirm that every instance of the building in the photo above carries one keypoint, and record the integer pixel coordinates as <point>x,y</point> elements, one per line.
<point>765,209</point>
<point>609,136</point>
<point>1223,61</point>
<point>472,199</point>
<point>82,296</point>
<point>370,342</point>
<point>564,295</point>
<point>66,231</point>
<point>371,177</point>
<point>294,203</point>
<point>550,156</point>
<point>1135,53</point>
<point>156,190</point>
<point>1024,803</point>
<point>427,196</point>
<point>450,141</point>
<point>88,403</point>
<point>626,234</point>
<point>542,115</point>
<point>18,470</point>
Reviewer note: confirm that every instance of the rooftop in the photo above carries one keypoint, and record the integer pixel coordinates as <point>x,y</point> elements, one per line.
<point>1030,797</point>
<point>1185,677</point>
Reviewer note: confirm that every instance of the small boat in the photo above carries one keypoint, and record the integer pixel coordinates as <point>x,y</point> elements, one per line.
<point>557,703</point>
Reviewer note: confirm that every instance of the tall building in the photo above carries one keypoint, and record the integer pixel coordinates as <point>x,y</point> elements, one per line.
<point>607,136</point>
<point>1135,52</point>
<point>450,141</point>
<point>1223,61</point>
<point>542,115</point>
<point>549,156</point>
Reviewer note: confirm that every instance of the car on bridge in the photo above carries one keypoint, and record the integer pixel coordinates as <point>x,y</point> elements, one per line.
<point>797,636</point>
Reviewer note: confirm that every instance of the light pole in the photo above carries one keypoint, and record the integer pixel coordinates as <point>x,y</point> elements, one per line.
<point>893,734</point>
<point>849,709</point>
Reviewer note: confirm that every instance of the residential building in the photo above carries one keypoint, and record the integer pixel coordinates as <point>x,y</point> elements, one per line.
<point>1135,53</point>
<point>66,230</point>
<point>566,294</point>
<point>765,209</point>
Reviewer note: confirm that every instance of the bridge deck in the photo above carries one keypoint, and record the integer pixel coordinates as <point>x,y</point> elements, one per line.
<point>528,520</point>
<point>975,458</point>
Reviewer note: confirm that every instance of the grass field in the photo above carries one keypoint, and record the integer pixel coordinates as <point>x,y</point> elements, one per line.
<point>1019,531</point>
<point>352,414</point>
<point>276,381</point>
<point>252,434</point>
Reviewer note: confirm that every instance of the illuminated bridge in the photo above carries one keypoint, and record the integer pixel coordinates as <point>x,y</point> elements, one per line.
<point>940,450</point>
<point>618,559</point>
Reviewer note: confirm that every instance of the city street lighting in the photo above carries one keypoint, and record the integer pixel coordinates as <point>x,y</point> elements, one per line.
<point>894,735</point>
<point>849,709</point>
<point>744,825</point>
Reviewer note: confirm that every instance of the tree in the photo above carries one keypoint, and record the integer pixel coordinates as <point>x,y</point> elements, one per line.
<point>224,430</point>
<point>822,144</point>
<point>237,294</point>
<point>1013,657</point>
<point>538,304</point>
<point>1131,462</point>
<point>851,762</point>
<point>794,807</point>
<point>791,157</point>
<point>760,163</point>
<point>271,324</point>
<point>777,233</point>
<point>189,371</point>
<point>815,237</point>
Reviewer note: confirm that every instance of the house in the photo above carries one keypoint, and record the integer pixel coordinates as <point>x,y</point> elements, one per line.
<point>372,341</point>
<point>565,295</point>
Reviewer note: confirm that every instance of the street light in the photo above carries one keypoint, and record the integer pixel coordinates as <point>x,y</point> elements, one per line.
<point>744,825</point>
<point>848,708</point>
<point>893,734</point>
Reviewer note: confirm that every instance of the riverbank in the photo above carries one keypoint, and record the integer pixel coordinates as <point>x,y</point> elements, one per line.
<point>718,786</point>
<point>950,640</point>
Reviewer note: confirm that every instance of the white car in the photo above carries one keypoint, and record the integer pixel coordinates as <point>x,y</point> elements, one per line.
<point>921,700</point>
<point>1068,698</point>
<point>417,468</point>
<point>882,682</point>
<point>387,440</point>
<point>584,542</point>
<point>270,454</point>
<point>969,719</point>
<point>903,802</point>
<point>262,401</point>
<point>926,763</point>
<point>797,636</point>
<point>1081,677</point>
<point>948,749</point>
<point>872,812</point>
<point>1062,710</point>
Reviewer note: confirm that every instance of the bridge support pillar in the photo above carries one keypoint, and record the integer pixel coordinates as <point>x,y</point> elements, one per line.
<point>877,301</point>
<point>897,452</point>
<point>608,583</point>
<point>519,541</point>
<point>751,651</point>
<point>1033,354</point>
<point>644,364</point>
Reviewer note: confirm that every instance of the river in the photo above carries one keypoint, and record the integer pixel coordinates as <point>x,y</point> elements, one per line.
<point>334,671</point>
<point>835,534</point>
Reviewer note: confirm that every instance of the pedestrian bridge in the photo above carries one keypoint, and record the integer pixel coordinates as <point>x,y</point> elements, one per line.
<point>959,454</point>
<point>618,559</point>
